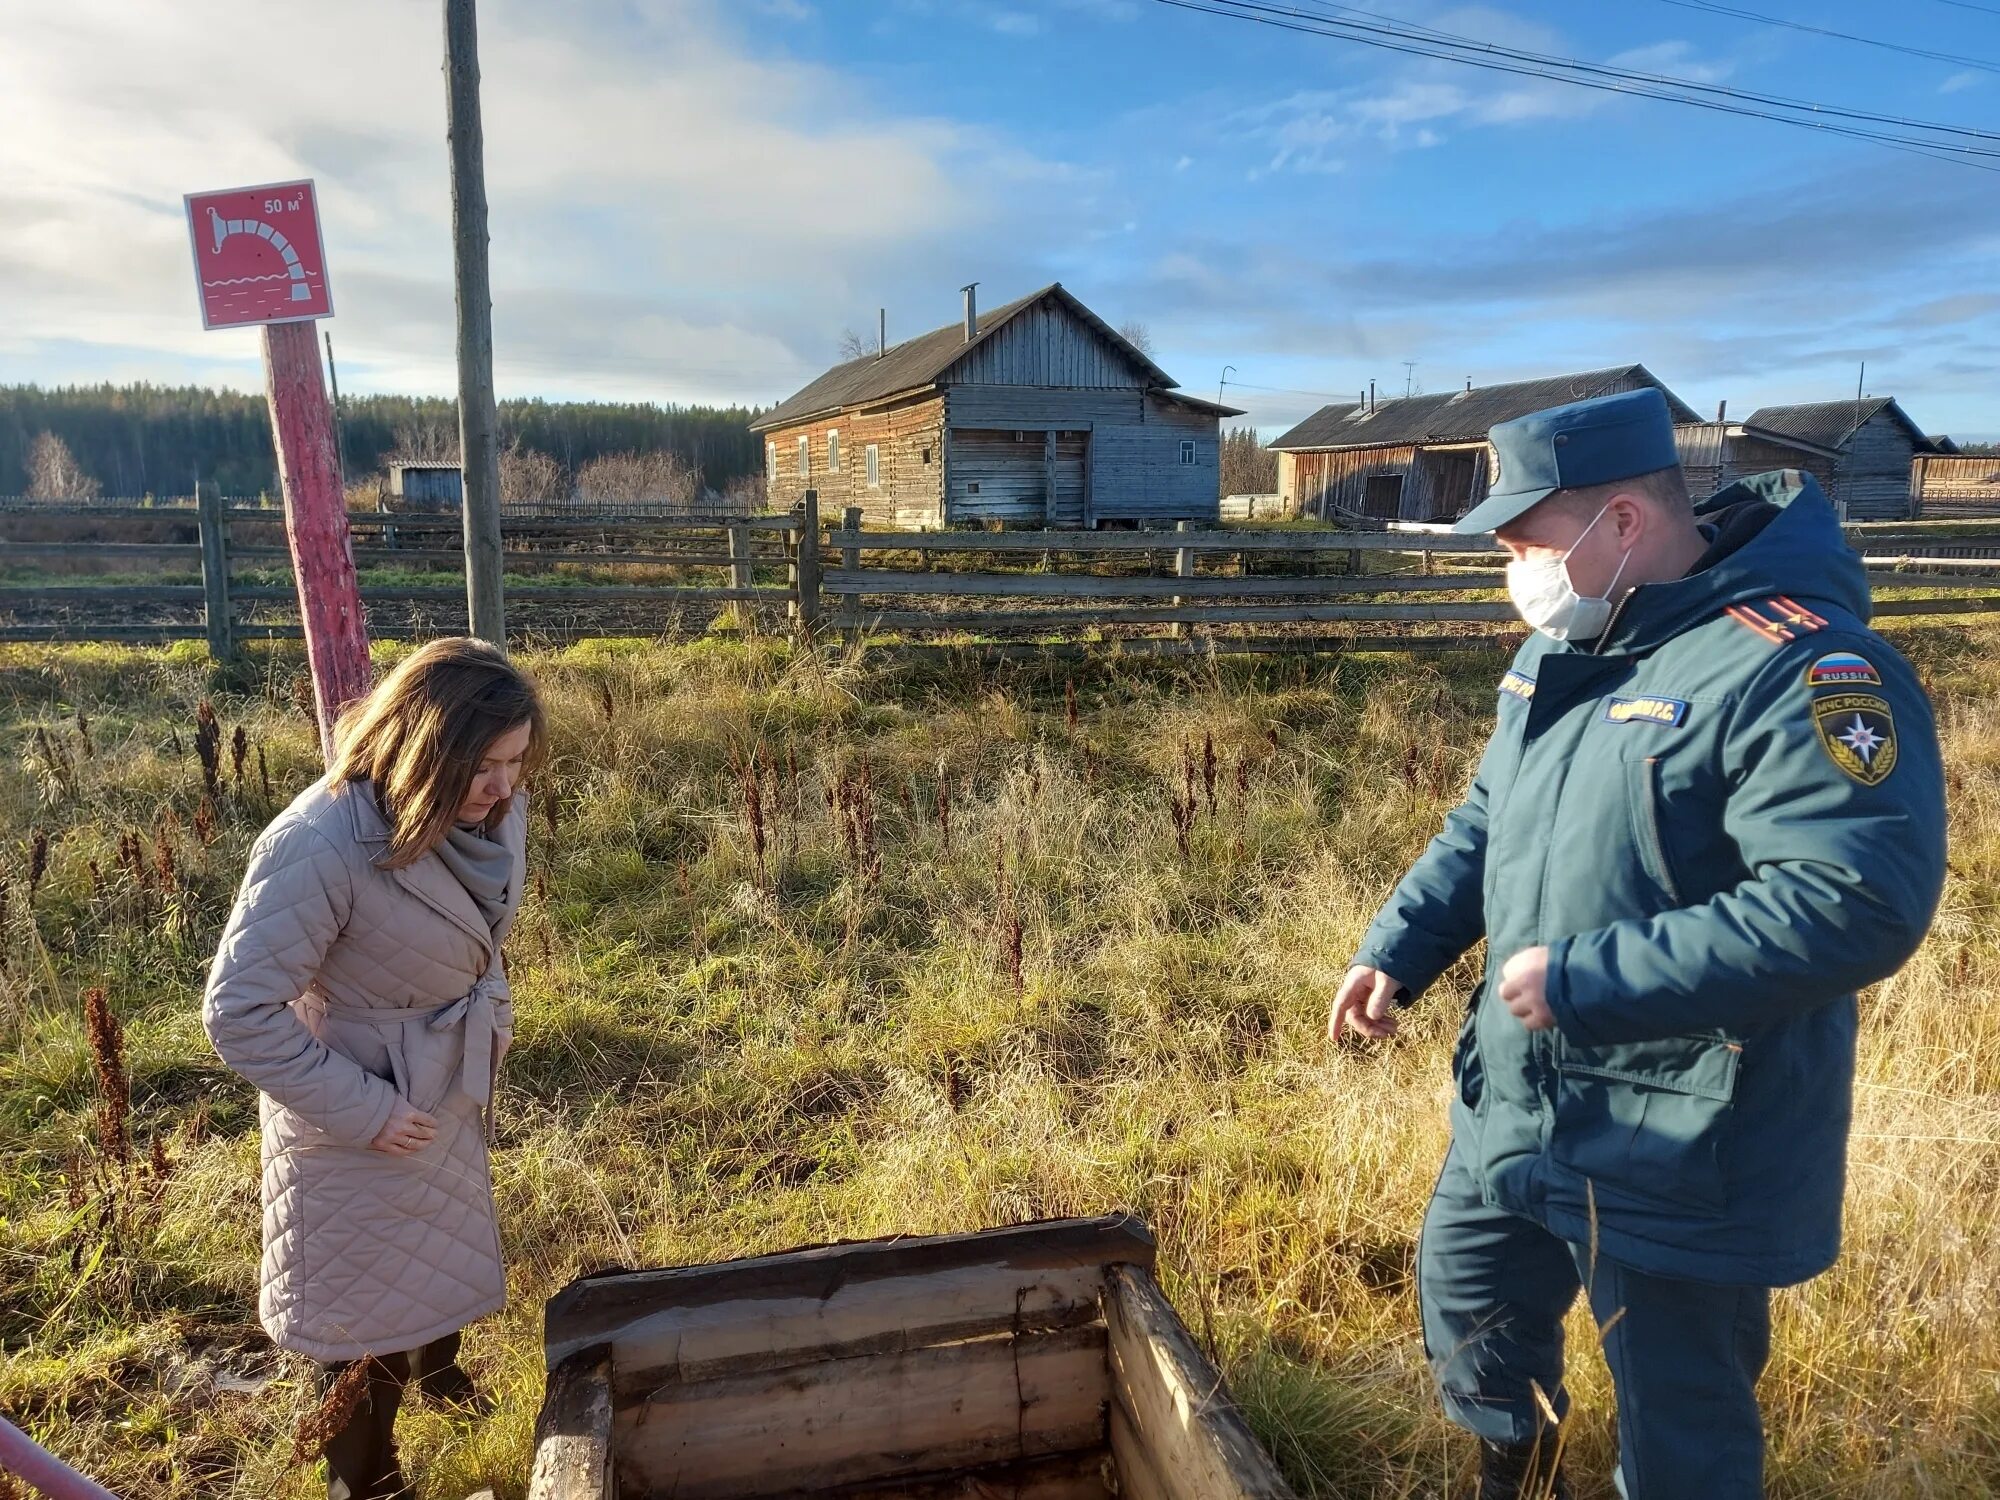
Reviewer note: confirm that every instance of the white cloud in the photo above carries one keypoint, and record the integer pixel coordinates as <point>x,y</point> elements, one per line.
<point>674,213</point>
<point>1958,82</point>
<point>1411,105</point>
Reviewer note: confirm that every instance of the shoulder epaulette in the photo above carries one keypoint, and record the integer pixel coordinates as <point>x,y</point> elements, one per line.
<point>1778,619</point>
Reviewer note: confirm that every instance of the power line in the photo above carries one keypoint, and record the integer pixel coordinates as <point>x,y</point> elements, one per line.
<point>1968,5</point>
<point>1456,42</point>
<point>1496,59</point>
<point>1285,390</point>
<point>1982,64</point>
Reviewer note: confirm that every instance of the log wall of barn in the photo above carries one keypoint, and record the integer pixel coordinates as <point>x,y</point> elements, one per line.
<point>1872,476</point>
<point>1954,486</point>
<point>909,440</point>
<point>1329,483</point>
<point>1745,456</point>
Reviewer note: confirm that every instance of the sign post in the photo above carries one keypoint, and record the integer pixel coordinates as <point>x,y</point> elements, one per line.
<point>258,260</point>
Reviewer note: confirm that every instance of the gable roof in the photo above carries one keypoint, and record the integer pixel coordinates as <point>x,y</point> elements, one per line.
<point>1827,425</point>
<point>1464,416</point>
<point>925,360</point>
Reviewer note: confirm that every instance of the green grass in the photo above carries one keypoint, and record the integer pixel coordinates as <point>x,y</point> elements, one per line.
<point>716,1060</point>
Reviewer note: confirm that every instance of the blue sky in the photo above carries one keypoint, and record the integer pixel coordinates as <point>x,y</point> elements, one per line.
<point>692,199</point>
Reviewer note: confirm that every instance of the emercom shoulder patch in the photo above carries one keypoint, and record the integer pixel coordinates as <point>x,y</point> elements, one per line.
<point>1519,684</point>
<point>1858,733</point>
<point>1669,711</point>
<point>1842,669</point>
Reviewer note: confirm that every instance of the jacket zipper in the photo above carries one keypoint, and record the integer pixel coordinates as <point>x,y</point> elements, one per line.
<point>1655,843</point>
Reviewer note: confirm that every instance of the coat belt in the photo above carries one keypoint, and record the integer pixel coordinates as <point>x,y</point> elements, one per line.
<point>472,1010</point>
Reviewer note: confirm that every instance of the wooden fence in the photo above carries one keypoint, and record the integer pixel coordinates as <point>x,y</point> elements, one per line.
<point>1013,592</point>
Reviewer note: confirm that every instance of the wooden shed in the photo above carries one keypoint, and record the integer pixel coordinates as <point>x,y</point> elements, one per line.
<point>1426,458</point>
<point>1037,413</point>
<point>425,485</point>
<point>1860,451</point>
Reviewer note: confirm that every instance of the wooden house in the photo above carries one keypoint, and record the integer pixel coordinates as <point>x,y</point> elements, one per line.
<point>1037,413</point>
<point>1860,451</point>
<point>1427,458</point>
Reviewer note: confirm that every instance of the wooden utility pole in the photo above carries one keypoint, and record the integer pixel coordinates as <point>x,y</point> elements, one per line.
<point>316,522</point>
<point>478,421</point>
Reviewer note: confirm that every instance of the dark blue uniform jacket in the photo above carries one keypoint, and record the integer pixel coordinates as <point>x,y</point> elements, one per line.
<point>1723,818</point>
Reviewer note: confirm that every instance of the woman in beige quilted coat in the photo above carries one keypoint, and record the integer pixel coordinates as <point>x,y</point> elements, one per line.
<point>359,986</point>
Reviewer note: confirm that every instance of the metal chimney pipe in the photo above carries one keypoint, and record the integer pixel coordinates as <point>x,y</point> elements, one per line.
<point>1721,410</point>
<point>1371,395</point>
<point>971,312</point>
<point>881,332</point>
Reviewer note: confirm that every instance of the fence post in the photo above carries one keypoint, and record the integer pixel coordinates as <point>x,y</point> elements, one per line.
<point>806,570</point>
<point>211,520</point>
<point>741,576</point>
<point>850,562</point>
<point>1183,568</point>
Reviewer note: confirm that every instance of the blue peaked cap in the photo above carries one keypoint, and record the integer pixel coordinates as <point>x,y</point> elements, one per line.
<point>1572,447</point>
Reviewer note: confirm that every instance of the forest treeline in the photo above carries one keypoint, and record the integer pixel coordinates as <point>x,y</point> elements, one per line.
<point>133,440</point>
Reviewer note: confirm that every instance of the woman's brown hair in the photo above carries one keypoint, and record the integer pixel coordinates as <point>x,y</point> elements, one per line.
<point>418,738</point>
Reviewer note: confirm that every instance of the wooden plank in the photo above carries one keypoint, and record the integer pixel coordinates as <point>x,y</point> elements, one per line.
<point>124,634</point>
<point>513,557</point>
<point>1155,541</point>
<point>592,596</point>
<point>573,1431</point>
<point>60,596</point>
<point>1227,614</point>
<point>1180,1410</point>
<point>866,581</point>
<point>1200,646</point>
<point>688,1344</point>
<point>593,1309</point>
<point>216,611</point>
<point>1979,605</point>
<point>848,1421</point>
<point>1066,1476</point>
<point>104,551</point>
<point>1137,1478</point>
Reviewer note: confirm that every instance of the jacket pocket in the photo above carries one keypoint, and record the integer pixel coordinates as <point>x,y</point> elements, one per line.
<point>1467,1070</point>
<point>1643,787</point>
<point>1650,1120</point>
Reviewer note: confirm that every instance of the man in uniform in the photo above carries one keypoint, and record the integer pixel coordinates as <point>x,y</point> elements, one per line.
<point>1710,811</point>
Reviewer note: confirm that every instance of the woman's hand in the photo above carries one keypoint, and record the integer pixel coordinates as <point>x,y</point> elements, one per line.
<point>409,1130</point>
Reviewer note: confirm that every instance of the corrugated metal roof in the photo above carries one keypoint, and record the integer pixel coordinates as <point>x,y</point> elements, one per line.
<point>1464,416</point>
<point>923,360</point>
<point>1827,424</point>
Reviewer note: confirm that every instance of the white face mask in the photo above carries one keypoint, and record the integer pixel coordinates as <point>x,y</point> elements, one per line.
<point>1547,600</point>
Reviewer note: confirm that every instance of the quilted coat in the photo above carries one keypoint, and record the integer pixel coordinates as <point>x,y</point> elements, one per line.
<point>337,987</point>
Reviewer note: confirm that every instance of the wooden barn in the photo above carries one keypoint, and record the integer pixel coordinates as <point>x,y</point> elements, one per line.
<point>1953,486</point>
<point>1860,451</point>
<point>1426,458</point>
<point>1037,413</point>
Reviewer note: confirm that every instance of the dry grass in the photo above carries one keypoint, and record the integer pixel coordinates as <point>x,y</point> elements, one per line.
<point>817,951</point>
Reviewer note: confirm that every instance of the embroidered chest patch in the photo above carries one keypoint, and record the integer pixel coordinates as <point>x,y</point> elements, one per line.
<point>1519,684</point>
<point>1858,733</point>
<point>1669,711</point>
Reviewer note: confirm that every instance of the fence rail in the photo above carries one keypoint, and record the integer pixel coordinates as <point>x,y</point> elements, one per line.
<point>1141,592</point>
